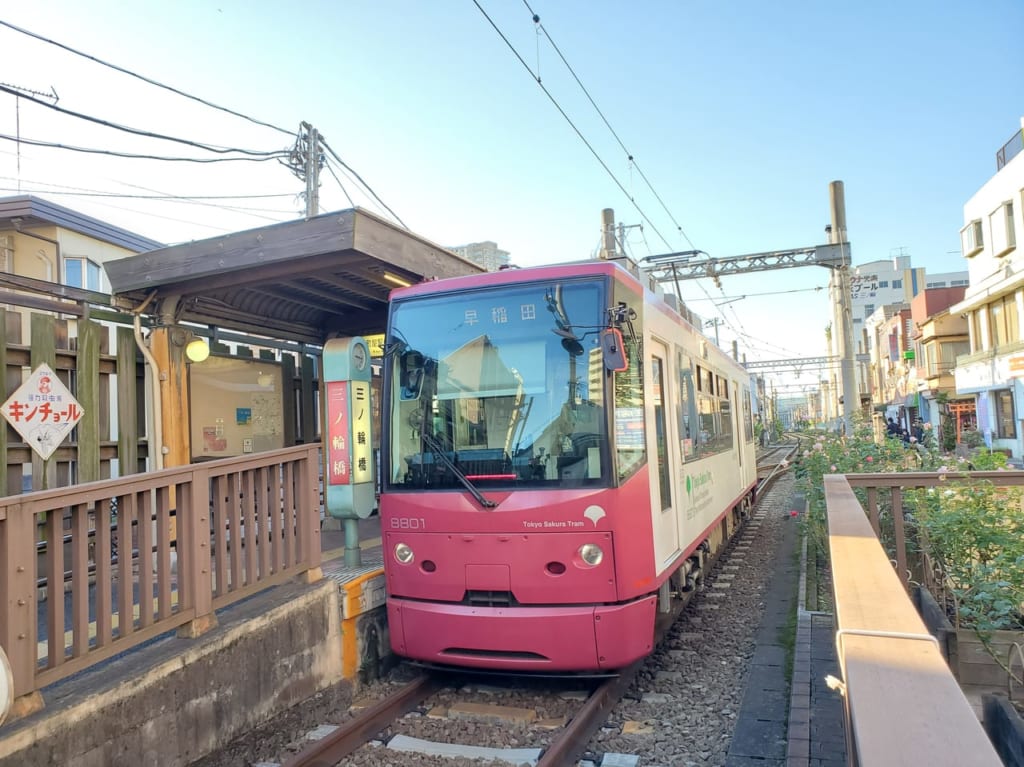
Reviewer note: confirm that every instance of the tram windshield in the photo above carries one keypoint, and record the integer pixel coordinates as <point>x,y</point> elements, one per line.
<point>498,387</point>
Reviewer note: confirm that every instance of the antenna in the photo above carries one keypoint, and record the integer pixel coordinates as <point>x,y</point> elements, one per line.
<point>17,114</point>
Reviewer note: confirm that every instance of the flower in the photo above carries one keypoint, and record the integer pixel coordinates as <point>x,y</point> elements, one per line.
<point>832,467</point>
<point>927,427</point>
<point>869,458</point>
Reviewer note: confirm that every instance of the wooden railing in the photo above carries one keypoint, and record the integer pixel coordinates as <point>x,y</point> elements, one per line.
<point>903,705</point>
<point>129,559</point>
<point>890,501</point>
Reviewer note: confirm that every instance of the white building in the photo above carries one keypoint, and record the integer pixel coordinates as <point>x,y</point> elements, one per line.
<point>994,302</point>
<point>486,254</point>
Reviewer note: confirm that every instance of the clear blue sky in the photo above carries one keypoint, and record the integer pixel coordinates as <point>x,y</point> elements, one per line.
<point>738,114</point>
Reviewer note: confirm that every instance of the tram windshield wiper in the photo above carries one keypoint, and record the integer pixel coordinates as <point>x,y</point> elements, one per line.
<point>438,450</point>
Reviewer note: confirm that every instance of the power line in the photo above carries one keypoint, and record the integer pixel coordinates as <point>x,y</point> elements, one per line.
<point>366,186</point>
<point>139,131</point>
<point>132,156</point>
<point>629,155</point>
<point>753,295</point>
<point>330,169</point>
<point>572,124</point>
<point>143,78</point>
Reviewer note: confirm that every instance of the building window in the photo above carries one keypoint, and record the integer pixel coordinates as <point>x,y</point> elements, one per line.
<point>1006,427</point>
<point>1000,222</point>
<point>1004,238</point>
<point>958,283</point>
<point>1003,322</point>
<point>883,283</point>
<point>869,309</point>
<point>897,284</point>
<point>970,238</point>
<point>949,351</point>
<point>81,273</point>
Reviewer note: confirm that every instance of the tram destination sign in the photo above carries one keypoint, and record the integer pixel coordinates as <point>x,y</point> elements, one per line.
<point>43,411</point>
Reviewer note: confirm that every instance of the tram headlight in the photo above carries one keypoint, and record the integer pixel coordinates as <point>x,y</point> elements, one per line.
<point>403,553</point>
<point>591,554</point>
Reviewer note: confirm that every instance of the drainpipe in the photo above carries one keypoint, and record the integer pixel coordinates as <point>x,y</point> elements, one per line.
<point>158,425</point>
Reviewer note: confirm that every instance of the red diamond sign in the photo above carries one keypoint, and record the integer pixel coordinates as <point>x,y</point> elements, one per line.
<point>43,411</point>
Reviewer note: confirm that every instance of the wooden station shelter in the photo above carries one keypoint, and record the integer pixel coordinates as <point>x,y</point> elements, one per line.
<point>302,282</point>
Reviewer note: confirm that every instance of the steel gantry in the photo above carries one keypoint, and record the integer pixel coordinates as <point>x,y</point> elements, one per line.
<point>835,256</point>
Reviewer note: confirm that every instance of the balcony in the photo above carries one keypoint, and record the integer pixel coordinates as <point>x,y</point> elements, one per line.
<point>1010,150</point>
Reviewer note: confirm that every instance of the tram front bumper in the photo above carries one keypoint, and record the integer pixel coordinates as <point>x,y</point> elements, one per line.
<point>545,639</point>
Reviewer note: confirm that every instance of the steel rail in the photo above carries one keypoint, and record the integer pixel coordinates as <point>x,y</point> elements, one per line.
<point>570,744</point>
<point>330,750</point>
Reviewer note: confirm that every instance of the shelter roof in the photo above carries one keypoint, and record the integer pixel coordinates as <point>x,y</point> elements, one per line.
<point>305,280</point>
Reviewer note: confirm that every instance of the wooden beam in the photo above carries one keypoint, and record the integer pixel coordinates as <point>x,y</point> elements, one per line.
<point>293,290</point>
<point>279,245</point>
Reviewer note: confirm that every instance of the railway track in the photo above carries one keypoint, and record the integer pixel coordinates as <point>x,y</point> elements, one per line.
<point>696,671</point>
<point>564,746</point>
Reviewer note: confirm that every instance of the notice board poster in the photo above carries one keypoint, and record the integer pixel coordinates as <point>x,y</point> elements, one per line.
<point>237,407</point>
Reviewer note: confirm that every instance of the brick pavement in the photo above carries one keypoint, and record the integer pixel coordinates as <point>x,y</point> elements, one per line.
<point>795,721</point>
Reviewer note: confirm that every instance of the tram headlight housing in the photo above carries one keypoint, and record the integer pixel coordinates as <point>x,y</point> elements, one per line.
<point>591,554</point>
<point>404,553</point>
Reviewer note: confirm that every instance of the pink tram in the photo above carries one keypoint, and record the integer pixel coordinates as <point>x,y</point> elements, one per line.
<point>561,455</point>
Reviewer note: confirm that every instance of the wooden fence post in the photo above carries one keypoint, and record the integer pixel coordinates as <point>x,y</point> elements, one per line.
<point>195,579</point>
<point>307,512</point>
<point>18,604</point>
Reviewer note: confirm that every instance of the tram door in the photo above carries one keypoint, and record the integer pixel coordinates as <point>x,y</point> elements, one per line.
<point>665,521</point>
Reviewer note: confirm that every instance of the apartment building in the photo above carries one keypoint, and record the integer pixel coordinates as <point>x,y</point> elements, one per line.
<point>994,302</point>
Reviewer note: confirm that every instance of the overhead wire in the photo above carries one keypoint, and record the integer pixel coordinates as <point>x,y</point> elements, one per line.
<point>138,131</point>
<point>362,181</point>
<point>330,169</point>
<point>554,101</point>
<point>568,119</point>
<point>143,78</point>
<point>629,155</point>
<point>251,155</point>
<point>133,156</point>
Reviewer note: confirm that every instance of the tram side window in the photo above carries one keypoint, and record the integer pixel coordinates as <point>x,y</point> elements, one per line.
<point>686,409</point>
<point>748,419</point>
<point>714,413</point>
<point>630,436</point>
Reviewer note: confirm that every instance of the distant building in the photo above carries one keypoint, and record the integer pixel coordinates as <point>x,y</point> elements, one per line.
<point>940,337</point>
<point>891,281</point>
<point>486,254</point>
<point>879,290</point>
<point>994,303</point>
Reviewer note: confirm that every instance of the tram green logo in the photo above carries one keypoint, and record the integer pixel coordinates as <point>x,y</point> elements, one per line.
<point>694,482</point>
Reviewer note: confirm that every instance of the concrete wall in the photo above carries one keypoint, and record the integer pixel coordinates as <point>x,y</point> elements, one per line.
<point>176,699</point>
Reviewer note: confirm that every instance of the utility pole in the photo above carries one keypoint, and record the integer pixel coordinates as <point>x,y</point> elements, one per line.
<point>608,248</point>
<point>851,397</point>
<point>716,321</point>
<point>305,160</point>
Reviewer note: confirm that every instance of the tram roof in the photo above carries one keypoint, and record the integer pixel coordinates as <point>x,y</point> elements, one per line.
<point>305,280</point>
